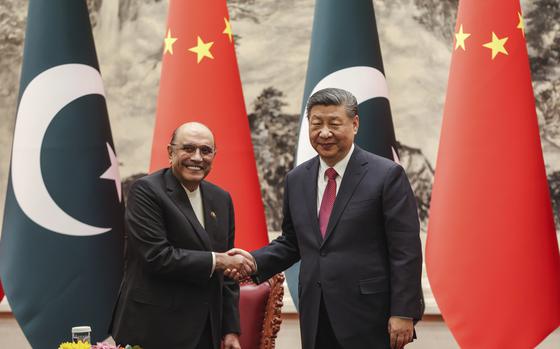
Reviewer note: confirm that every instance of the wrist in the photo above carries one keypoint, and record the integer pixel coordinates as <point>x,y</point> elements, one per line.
<point>220,261</point>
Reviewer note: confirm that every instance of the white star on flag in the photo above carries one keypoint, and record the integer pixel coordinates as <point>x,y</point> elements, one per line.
<point>112,172</point>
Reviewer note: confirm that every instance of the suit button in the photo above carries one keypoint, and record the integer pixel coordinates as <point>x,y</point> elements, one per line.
<point>323,254</point>
<point>319,284</point>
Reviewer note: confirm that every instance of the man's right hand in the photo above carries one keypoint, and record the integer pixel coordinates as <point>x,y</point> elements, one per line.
<point>235,263</point>
<point>238,274</point>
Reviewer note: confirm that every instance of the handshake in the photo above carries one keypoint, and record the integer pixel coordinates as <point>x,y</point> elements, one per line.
<point>236,264</point>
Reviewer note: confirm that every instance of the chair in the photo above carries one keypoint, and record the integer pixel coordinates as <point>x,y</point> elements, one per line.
<point>260,312</point>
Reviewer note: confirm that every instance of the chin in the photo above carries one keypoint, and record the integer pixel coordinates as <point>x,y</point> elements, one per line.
<point>327,154</point>
<point>190,177</point>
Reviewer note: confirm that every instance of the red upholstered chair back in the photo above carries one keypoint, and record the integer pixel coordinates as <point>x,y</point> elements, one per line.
<point>260,312</point>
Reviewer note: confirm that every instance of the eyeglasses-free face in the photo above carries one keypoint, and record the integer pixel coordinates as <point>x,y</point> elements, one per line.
<point>332,132</point>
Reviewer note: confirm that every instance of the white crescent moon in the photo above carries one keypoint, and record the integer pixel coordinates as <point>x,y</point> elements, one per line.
<point>363,82</point>
<point>42,99</point>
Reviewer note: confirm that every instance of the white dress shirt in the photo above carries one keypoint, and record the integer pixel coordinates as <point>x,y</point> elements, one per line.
<point>195,198</point>
<point>322,180</point>
<point>196,202</point>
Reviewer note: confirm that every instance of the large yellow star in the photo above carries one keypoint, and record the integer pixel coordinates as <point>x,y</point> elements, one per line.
<point>227,30</point>
<point>460,38</point>
<point>496,45</point>
<point>202,49</point>
<point>521,24</point>
<point>169,42</point>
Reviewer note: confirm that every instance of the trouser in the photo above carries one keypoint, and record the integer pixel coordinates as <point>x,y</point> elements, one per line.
<point>325,334</point>
<point>206,340</point>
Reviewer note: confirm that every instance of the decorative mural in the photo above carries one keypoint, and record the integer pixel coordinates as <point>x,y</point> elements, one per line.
<point>272,43</point>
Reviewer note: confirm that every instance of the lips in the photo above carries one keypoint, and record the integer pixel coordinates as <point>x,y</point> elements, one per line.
<point>193,167</point>
<point>326,145</point>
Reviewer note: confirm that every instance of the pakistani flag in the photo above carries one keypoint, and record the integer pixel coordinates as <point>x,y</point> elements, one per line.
<point>345,53</point>
<point>62,239</point>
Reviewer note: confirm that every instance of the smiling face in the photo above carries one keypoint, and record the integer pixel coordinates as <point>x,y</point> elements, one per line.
<point>191,154</point>
<point>332,132</point>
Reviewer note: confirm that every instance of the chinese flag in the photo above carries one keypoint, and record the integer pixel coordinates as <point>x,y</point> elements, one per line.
<point>200,82</point>
<point>1,293</point>
<point>492,254</point>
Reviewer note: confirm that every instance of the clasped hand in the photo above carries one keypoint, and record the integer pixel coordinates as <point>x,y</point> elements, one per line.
<point>236,263</point>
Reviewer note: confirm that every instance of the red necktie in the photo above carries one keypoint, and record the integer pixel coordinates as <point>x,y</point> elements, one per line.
<point>328,200</point>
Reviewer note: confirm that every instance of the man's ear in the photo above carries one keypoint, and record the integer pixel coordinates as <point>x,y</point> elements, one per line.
<point>356,123</point>
<point>169,152</point>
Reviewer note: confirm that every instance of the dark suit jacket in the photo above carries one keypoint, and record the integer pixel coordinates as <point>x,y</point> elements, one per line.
<point>369,265</point>
<point>167,294</point>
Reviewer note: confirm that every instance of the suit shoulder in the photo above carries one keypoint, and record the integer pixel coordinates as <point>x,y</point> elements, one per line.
<point>152,182</point>
<point>149,179</point>
<point>380,162</point>
<point>214,189</point>
<point>301,168</point>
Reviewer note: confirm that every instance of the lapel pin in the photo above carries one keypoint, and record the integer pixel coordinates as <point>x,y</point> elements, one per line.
<point>213,214</point>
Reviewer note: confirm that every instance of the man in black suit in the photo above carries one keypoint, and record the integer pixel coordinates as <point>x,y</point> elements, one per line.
<point>173,294</point>
<point>351,217</point>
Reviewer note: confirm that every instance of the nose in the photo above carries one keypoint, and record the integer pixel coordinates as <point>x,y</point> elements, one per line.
<point>196,156</point>
<point>324,132</point>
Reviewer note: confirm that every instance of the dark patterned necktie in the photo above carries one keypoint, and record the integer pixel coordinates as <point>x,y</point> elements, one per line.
<point>328,200</point>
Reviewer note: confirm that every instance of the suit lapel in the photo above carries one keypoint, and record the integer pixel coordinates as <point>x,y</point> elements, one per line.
<point>355,170</point>
<point>210,218</point>
<point>179,197</point>
<point>310,187</point>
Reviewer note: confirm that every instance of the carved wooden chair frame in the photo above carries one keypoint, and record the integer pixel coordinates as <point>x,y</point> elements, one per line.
<point>273,311</point>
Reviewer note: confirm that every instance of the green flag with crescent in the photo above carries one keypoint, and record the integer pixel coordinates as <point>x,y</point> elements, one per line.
<point>62,239</point>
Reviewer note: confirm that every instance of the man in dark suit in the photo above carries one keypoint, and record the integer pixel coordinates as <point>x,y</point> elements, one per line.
<point>173,294</point>
<point>351,217</point>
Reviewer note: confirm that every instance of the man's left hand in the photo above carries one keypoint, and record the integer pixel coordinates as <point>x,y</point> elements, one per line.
<point>231,341</point>
<point>400,331</point>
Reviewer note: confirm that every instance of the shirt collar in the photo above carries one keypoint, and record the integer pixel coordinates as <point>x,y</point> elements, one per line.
<point>193,193</point>
<point>339,167</point>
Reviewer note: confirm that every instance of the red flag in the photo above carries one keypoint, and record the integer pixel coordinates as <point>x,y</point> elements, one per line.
<point>200,82</point>
<point>1,292</point>
<point>492,254</point>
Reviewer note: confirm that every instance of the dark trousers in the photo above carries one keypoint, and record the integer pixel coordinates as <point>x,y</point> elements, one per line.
<point>325,334</point>
<point>206,340</point>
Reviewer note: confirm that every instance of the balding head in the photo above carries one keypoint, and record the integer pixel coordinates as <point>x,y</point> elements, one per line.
<point>192,127</point>
<point>191,152</point>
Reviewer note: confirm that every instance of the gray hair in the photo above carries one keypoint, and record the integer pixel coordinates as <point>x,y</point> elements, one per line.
<point>334,96</point>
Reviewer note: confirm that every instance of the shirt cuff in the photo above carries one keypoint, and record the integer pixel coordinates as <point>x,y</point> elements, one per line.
<point>213,264</point>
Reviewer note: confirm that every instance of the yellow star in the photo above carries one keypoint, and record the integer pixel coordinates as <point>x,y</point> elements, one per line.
<point>496,45</point>
<point>227,30</point>
<point>521,24</point>
<point>202,49</point>
<point>169,42</point>
<point>460,38</point>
